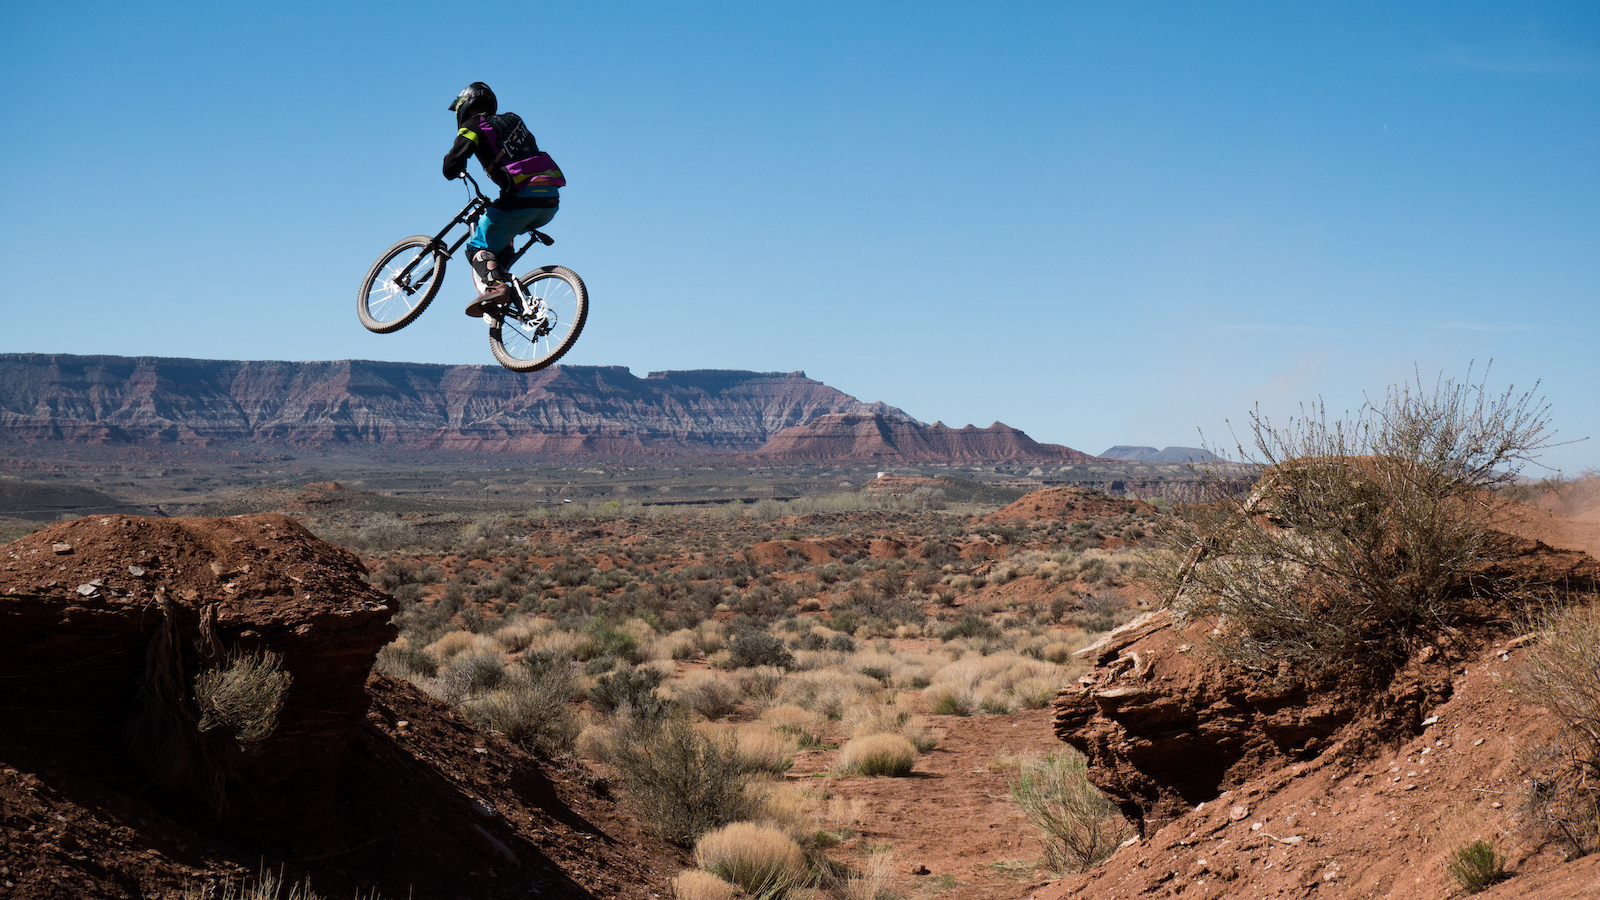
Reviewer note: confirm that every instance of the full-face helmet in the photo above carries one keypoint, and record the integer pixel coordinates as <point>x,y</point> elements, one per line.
<point>474,100</point>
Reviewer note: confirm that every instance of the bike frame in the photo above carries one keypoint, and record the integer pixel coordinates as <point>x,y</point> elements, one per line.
<point>469,217</point>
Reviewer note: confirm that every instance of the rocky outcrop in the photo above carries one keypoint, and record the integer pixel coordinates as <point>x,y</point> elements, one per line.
<point>889,438</point>
<point>1167,724</point>
<point>105,622</point>
<point>562,410</point>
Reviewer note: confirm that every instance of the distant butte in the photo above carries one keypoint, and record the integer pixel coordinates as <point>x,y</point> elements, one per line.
<point>847,436</point>
<point>563,411</point>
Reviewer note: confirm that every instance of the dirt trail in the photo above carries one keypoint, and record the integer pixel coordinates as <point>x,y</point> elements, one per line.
<point>953,816</point>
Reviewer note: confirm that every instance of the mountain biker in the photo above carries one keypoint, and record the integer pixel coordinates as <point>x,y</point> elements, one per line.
<point>529,184</point>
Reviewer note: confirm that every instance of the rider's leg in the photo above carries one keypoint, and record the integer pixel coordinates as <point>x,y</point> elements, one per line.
<point>489,250</point>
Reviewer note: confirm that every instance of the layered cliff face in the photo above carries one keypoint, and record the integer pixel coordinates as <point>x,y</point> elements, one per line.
<point>889,438</point>
<point>577,410</point>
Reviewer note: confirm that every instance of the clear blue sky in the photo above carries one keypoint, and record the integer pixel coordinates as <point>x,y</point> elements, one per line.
<point>1101,223</point>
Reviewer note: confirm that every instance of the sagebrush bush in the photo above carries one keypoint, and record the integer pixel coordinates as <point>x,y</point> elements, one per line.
<point>879,754</point>
<point>707,693</point>
<point>684,782</point>
<point>244,695</point>
<point>534,713</point>
<point>1079,825</point>
<point>1360,534</point>
<point>1476,866</point>
<point>633,689</point>
<point>757,648</point>
<point>760,859</point>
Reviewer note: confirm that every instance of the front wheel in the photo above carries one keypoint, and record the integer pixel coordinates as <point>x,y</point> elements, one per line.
<point>400,284</point>
<point>528,339</point>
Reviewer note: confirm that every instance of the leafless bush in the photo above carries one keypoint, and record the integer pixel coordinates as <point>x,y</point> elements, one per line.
<point>1562,673</point>
<point>1359,533</point>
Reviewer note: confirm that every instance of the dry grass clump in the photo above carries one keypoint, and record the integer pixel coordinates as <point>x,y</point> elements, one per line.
<point>455,643</point>
<point>763,748</point>
<point>874,880</point>
<point>875,718</point>
<point>696,884</point>
<point>828,692</point>
<point>879,754</point>
<point>793,807</point>
<point>518,635</point>
<point>244,695</point>
<point>998,683</point>
<point>682,644</point>
<point>760,684</point>
<point>760,859</point>
<point>802,724</point>
<point>711,695</point>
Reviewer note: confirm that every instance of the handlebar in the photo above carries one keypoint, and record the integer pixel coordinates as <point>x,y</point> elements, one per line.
<point>467,177</point>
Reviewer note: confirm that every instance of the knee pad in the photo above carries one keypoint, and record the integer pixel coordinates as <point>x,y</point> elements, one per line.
<point>486,265</point>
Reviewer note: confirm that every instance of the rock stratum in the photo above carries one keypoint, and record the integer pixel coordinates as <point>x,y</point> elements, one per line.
<point>563,410</point>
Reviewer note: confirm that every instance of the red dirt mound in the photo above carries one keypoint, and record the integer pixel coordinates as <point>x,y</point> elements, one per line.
<point>1070,504</point>
<point>105,621</point>
<point>1250,784</point>
<point>96,614</point>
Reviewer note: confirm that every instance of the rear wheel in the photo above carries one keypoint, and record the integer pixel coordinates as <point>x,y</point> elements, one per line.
<point>529,339</point>
<point>400,284</point>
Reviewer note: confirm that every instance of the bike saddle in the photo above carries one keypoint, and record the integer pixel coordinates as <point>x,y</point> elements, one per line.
<point>543,238</point>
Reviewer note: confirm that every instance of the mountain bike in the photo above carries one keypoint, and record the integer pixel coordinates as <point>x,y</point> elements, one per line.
<point>539,319</point>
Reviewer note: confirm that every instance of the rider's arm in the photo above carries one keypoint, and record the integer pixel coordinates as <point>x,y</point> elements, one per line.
<point>455,162</point>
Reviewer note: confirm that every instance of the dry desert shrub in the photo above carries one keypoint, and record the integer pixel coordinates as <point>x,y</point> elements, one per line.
<point>682,644</point>
<point>760,859</point>
<point>874,880</point>
<point>1561,672</point>
<point>828,692</point>
<point>711,695</point>
<point>878,754</point>
<point>1361,535</point>
<point>765,749</point>
<point>243,695</point>
<point>1079,826</point>
<point>696,884</point>
<point>802,724</point>
<point>533,712</point>
<point>684,782</point>
<point>455,643</point>
<point>873,718</point>
<point>518,635</point>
